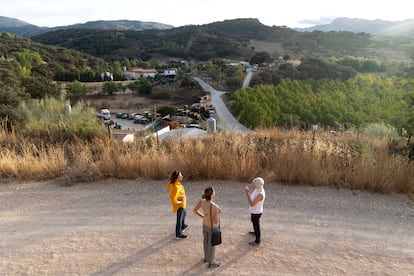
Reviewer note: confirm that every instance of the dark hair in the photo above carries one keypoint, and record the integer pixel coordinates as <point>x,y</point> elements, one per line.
<point>207,193</point>
<point>174,176</point>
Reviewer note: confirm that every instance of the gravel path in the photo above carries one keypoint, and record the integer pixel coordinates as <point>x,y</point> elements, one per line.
<point>125,227</point>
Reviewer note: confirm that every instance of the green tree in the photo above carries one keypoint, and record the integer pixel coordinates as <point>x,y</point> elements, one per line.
<point>260,58</point>
<point>356,102</point>
<point>234,83</point>
<point>116,68</point>
<point>11,94</point>
<point>38,86</point>
<point>188,81</point>
<point>76,88</point>
<point>9,101</point>
<point>126,63</point>
<point>144,86</point>
<point>286,57</point>
<point>27,59</point>
<point>167,110</point>
<point>109,88</point>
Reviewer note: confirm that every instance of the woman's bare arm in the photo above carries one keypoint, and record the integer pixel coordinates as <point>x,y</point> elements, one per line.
<point>196,210</point>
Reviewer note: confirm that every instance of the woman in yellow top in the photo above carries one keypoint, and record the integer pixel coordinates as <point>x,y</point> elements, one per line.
<point>179,202</point>
<point>206,204</point>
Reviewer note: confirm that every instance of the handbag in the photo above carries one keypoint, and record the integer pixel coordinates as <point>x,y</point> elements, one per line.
<point>215,232</point>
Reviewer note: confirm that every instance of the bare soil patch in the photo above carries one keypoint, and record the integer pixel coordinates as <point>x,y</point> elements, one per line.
<point>124,227</point>
<point>130,102</point>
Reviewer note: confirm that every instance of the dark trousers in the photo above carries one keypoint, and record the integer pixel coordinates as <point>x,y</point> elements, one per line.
<point>256,226</point>
<point>181,213</point>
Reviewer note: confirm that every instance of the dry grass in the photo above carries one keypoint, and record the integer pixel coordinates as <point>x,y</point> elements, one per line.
<point>292,157</point>
<point>27,161</point>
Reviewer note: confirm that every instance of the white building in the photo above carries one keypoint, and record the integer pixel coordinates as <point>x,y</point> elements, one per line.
<point>137,73</point>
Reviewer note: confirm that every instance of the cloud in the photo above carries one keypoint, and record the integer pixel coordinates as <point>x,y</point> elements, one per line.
<point>322,20</point>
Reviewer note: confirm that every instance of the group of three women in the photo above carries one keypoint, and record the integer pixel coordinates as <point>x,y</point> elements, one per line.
<point>210,212</point>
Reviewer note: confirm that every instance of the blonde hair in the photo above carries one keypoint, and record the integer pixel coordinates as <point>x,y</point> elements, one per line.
<point>259,181</point>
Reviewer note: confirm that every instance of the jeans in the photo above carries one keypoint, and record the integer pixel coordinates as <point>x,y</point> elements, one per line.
<point>256,226</point>
<point>181,213</point>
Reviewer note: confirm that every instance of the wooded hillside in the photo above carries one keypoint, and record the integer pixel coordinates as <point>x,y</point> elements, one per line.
<point>238,39</point>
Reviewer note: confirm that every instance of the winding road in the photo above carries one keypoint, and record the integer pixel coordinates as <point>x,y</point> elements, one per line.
<point>225,120</point>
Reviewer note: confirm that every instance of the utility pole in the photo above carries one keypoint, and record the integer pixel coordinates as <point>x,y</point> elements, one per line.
<point>220,75</point>
<point>153,123</point>
<point>314,129</point>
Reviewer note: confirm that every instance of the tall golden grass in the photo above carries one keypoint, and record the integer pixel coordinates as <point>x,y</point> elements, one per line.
<point>287,156</point>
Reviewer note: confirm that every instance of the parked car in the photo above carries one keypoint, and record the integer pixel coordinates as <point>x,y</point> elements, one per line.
<point>124,116</point>
<point>137,118</point>
<point>144,121</point>
<point>194,126</point>
<point>131,116</point>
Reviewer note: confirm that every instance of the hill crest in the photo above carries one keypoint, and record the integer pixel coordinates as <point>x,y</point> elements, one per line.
<point>24,29</point>
<point>358,25</point>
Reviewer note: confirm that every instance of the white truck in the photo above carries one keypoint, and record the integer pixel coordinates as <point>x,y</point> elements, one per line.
<point>105,114</point>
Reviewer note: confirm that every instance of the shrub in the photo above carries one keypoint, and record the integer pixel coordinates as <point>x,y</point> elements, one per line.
<point>382,131</point>
<point>47,121</point>
<point>162,96</point>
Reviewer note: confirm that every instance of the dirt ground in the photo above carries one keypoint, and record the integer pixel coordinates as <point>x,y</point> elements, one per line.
<point>125,227</point>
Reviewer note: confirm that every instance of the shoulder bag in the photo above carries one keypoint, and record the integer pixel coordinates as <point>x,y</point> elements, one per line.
<point>215,232</point>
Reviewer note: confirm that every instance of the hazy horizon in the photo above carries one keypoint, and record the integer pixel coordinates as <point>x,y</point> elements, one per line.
<point>294,13</point>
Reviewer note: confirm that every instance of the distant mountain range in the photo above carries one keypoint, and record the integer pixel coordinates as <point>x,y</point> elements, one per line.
<point>374,27</point>
<point>24,29</point>
<point>355,25</point>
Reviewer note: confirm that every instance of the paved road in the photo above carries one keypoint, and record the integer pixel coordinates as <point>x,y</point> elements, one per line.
<point>247,79</point>
<point>225,120</point>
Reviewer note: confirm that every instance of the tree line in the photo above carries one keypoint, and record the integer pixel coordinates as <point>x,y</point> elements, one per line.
<point>333,103</point>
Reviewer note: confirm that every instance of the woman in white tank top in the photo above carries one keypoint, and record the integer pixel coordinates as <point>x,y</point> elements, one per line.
<point>256,200</point>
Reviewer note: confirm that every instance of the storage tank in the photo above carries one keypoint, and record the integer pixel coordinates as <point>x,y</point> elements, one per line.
<point>67,108</point>
<point>211,125</point>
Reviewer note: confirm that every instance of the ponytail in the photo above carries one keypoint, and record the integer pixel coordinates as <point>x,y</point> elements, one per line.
<point>207,193</point>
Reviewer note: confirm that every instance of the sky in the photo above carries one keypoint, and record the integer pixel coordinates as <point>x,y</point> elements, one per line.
<point>290,13</point>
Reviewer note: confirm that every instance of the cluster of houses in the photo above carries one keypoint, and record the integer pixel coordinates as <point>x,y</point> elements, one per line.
<point>137,73</point>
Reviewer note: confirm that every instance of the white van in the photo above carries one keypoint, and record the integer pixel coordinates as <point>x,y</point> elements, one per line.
<point>105,114</point>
